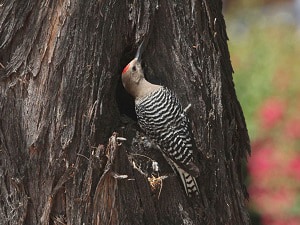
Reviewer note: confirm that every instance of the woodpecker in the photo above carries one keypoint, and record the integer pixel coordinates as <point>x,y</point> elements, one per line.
<point>164,120</point>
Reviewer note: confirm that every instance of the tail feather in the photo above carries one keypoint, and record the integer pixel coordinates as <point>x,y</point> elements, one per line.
<point>189,182</point>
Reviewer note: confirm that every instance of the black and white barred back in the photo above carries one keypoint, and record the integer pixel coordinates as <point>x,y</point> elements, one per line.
<point>162,117</point>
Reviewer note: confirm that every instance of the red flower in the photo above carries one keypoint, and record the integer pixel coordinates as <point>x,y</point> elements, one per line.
<point>271,112</point>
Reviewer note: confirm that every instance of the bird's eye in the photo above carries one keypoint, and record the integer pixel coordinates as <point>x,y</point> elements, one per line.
<point>134,68</point>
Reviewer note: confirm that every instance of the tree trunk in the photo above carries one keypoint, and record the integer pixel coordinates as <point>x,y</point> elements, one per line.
<point>61,103</point>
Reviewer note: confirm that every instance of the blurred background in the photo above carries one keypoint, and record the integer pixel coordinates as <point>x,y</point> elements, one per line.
<point>264,43</point>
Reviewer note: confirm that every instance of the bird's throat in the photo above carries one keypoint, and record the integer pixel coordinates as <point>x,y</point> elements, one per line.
<point>145,88</point>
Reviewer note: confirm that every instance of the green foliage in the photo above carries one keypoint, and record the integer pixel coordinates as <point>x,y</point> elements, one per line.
<point>264,60</point>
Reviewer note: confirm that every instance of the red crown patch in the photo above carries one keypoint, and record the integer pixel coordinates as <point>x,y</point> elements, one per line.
<point>126,68</point>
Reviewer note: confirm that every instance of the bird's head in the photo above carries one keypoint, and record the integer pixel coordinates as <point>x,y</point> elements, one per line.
<point>133,73</point>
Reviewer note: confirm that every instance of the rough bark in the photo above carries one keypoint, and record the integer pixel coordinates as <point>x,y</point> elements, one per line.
<point>61,102</point>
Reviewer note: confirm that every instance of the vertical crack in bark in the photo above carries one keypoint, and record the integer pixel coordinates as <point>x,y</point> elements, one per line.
<point>69,173</point>
<point>106,190</point>
<point>57,20</point>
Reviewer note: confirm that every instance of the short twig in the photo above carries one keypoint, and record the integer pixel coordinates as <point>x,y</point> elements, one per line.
<point>119,176</point>
<point>187,108</point>
<point>121,139</point>
<point>83,156</point>
<point>143,156</point>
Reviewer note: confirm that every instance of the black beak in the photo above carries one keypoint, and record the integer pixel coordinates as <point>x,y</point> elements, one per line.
<point>139,52</point>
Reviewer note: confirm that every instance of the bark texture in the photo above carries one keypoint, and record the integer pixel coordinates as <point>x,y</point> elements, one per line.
<point>61,102</point>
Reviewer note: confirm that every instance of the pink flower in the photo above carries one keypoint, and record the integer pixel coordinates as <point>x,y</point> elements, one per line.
<point>271,112</point>
<point>292,129</point>
<point>262,162</point>
<point>273,202</point>
<point>269,220</point>
<point>294,167</point>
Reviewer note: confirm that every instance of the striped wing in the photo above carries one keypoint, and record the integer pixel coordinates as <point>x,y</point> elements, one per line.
<point>163,119</point>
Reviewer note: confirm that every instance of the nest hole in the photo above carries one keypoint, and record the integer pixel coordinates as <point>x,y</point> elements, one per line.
<point>124,100</point>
